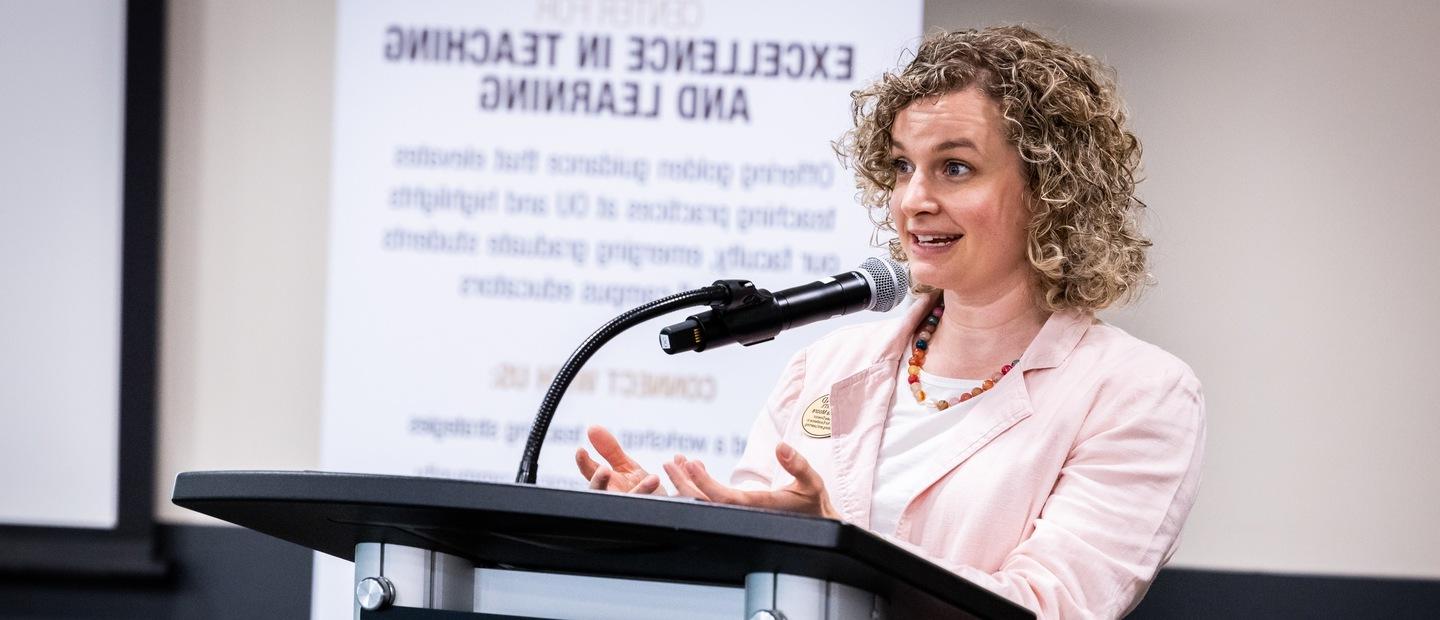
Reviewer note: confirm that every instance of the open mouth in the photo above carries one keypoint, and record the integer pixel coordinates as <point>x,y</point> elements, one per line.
<point>935,241</point>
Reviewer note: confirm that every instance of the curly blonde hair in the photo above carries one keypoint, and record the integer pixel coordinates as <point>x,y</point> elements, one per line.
<point>1066,121</point>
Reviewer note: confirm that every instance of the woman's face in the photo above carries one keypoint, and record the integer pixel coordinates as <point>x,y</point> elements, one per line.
<point>959,202</point>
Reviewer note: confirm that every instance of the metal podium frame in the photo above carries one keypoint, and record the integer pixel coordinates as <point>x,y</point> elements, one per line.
<point>423,546</point>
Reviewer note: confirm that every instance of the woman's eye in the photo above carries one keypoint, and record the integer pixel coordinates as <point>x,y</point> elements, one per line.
<point>901,166</point>
<point>955,168</point>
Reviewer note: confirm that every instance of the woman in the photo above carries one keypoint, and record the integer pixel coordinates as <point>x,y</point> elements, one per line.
<point>998,428</point>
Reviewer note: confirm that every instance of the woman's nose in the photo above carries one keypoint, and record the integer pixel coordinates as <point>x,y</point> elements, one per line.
<point>916,197</point>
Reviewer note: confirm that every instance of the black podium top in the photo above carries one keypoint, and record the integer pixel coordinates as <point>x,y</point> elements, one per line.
<point>526,527</point>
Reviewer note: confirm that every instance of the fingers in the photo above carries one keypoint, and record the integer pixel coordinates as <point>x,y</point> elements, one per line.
<point>609,449</point>
<point>808,483</point>
<point>712,489</point>
<point>649,485</point>
<point>605,479</point>
<point>793,462</point>
<point>586,464</point>
<point>684,486</point>
<point>601,479</point>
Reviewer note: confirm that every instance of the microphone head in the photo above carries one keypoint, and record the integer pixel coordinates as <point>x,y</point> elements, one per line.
<point>889,282</point>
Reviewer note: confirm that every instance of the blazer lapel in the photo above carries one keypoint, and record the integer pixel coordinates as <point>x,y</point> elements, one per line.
<point>859,405</point>
<point>994,413</point>
<point>1009,401</point>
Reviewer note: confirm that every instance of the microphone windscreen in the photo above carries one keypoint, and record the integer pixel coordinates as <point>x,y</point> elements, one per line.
<point>889,282</point>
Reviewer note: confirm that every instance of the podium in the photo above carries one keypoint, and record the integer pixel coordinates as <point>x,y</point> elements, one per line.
<point>423,547</point>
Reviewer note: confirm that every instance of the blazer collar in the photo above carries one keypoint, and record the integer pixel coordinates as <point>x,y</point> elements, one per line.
<point>861,402</point>
<point>1005,406</point>
<point>1058,337</point>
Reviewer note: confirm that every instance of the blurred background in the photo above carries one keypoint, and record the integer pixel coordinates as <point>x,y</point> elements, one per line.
<point>1288,153</point>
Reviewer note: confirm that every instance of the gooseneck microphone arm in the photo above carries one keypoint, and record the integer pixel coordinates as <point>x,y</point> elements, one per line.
<point>716,294</point>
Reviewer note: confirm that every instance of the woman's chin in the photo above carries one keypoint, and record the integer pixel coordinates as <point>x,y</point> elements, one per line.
<point>926,275</point>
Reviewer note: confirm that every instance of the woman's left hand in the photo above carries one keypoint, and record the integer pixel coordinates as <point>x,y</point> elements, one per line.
<point>806,495</point>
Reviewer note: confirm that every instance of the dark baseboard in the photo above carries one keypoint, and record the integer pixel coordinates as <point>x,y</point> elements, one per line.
<point>1190,593</point>
<point>224,573</point>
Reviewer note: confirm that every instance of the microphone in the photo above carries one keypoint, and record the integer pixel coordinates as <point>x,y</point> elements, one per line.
<point>756,315</point>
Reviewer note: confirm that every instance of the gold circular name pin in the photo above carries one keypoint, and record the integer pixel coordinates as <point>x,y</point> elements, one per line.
<point>816,421</point>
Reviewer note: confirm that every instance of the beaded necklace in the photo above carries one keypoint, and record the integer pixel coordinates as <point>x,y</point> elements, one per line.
<point>917,361</point>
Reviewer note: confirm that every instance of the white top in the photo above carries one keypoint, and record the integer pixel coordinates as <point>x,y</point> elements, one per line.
<point>914,434</point>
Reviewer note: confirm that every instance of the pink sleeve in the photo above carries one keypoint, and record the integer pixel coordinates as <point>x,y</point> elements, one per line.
<point>757,467</point>
<point>1115,514</point>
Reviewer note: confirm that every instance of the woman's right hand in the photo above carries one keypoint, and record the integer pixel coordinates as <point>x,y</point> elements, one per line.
<point>622,475</point>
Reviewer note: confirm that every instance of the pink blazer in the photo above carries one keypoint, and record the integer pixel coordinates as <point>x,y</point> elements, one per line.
<point>1070,487</point>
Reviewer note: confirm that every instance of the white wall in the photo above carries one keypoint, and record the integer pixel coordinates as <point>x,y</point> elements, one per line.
<point>247,171</point>
<point>1289,149</point>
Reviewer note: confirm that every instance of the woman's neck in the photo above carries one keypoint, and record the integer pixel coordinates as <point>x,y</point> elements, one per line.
<point>977,336</point>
